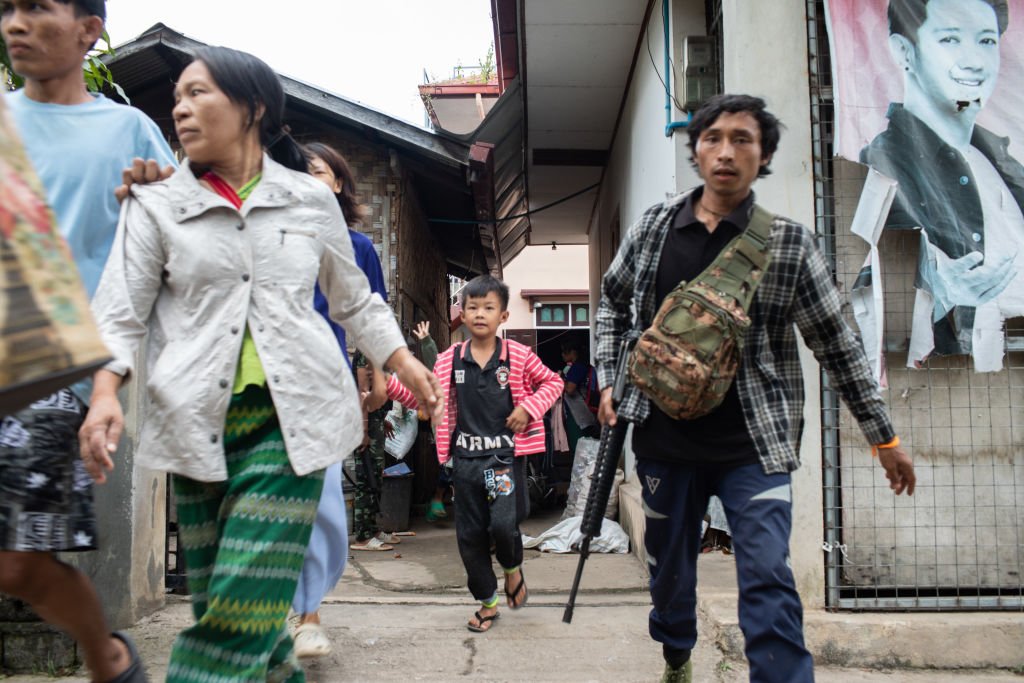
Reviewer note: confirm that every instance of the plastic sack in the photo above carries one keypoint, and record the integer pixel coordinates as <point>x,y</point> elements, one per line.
<point>404,426</point>
<point>583,466</point>
<point>48,339</point>
<point>565,537</point>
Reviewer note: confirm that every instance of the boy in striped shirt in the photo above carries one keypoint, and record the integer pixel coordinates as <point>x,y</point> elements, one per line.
<point>496,392</point>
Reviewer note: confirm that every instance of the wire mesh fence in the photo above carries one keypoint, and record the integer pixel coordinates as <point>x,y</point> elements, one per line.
<point>957,544</point>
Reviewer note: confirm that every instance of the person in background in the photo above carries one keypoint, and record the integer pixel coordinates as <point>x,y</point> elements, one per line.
<point>327,553</point>
<point>580,396</point>
<point>428,354</point>
<point>79,143</point>
<point>366,527</point>
<point>248,396</point>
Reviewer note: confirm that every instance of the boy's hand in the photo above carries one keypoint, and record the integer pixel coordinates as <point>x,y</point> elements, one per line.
<point>518,420</point>
<point>421,382</point>
<point>141,172</point>
<point>422,330</point>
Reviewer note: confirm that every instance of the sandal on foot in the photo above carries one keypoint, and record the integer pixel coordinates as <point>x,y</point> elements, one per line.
<point>436,511</point>
<point>386,537</point>
<point>135,673</point>
<point>481,620</point>
<point>514,601</point>
<point>372,543</point>
<point>311,641</point>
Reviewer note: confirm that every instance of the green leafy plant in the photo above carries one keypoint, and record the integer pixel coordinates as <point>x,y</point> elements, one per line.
<point>97,74</point>
<point>487,66</point>
<point>8,79</point>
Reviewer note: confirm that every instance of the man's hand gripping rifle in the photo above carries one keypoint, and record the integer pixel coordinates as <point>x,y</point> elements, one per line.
<point>612,439</point>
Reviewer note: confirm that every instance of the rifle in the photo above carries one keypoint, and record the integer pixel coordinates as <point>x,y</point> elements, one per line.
<point>612,439</point>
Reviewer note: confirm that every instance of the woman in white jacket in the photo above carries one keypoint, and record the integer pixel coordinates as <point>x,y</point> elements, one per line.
<point>248,396</point>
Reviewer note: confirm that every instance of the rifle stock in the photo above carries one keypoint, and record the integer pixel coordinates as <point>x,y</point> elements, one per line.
<point>612,440</point>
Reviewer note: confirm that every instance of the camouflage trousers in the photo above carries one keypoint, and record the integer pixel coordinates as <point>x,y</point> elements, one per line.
<point>367,500</point>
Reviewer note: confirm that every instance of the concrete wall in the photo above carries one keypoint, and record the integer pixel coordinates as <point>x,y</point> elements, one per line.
<point>541,267</point>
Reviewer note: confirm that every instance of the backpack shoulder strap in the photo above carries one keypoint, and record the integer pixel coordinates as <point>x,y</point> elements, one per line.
<point>738,269</point>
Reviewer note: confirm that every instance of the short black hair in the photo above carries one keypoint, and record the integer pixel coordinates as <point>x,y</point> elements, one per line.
<point>482,285</point>
<point>906,16</point>
<point>570,344</point>
<point>705,117</point>
<point>88,8</point>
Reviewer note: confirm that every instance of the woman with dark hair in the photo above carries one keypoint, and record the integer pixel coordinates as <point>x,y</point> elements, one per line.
<point>248,397</point>
<point>328,546</point>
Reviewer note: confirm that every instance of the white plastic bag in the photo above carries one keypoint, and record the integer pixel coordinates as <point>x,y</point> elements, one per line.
<point>583,466</point>
<point>566,537</point>
<point>403,422</point>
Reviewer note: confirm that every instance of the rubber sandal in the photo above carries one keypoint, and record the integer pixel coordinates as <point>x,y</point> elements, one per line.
<point>372,543</point>
<point>481,620</point>
<point>520,589</point>
<point>135,673</point>
<point>311,641</point>
<point>403,533</point>
<point>436,511</point>
<point>385,537</point>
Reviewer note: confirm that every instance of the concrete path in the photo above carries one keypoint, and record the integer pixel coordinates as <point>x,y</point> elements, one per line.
<point>400,616</point>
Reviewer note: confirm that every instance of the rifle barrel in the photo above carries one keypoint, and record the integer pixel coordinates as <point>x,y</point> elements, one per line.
<point>571,605</point>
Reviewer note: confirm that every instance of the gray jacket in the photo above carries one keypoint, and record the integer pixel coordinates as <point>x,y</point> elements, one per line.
<point>192,271</point>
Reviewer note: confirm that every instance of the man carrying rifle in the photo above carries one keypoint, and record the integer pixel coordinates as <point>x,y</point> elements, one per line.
<point>744,449</point>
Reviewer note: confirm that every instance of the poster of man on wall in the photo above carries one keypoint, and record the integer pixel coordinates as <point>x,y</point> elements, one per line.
<point>930,93</point>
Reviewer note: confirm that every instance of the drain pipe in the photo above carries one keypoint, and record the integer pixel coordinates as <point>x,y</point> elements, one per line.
<point>670,125</point>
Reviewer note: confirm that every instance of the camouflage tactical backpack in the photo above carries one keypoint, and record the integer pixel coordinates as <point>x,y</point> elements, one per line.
<point>686,360</point>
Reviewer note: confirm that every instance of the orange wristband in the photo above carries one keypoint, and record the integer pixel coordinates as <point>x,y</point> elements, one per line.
<point>890,444</point>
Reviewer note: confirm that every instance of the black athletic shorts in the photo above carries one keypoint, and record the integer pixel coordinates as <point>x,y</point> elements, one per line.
<point>45,492</point>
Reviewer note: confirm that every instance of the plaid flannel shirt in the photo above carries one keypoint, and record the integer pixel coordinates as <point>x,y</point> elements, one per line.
<point>797,289</point>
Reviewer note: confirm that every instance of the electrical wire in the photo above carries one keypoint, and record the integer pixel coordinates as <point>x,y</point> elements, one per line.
<point>668,90</point>
<point>462,221</point>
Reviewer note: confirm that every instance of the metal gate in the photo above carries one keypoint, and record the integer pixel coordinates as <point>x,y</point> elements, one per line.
<point>957,544</point>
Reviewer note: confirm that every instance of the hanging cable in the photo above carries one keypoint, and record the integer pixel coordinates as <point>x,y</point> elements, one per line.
<point>462,221</point>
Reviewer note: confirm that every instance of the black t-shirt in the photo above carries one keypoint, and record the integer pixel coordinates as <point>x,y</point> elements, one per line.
<point>484,401</point>
<point>721,436</point>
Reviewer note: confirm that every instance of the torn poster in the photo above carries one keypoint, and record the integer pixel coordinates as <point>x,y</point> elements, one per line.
<point>917,100</point>
<point>867,294</point>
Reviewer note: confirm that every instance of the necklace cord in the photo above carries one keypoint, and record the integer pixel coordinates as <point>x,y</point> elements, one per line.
<point>713,213</point>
